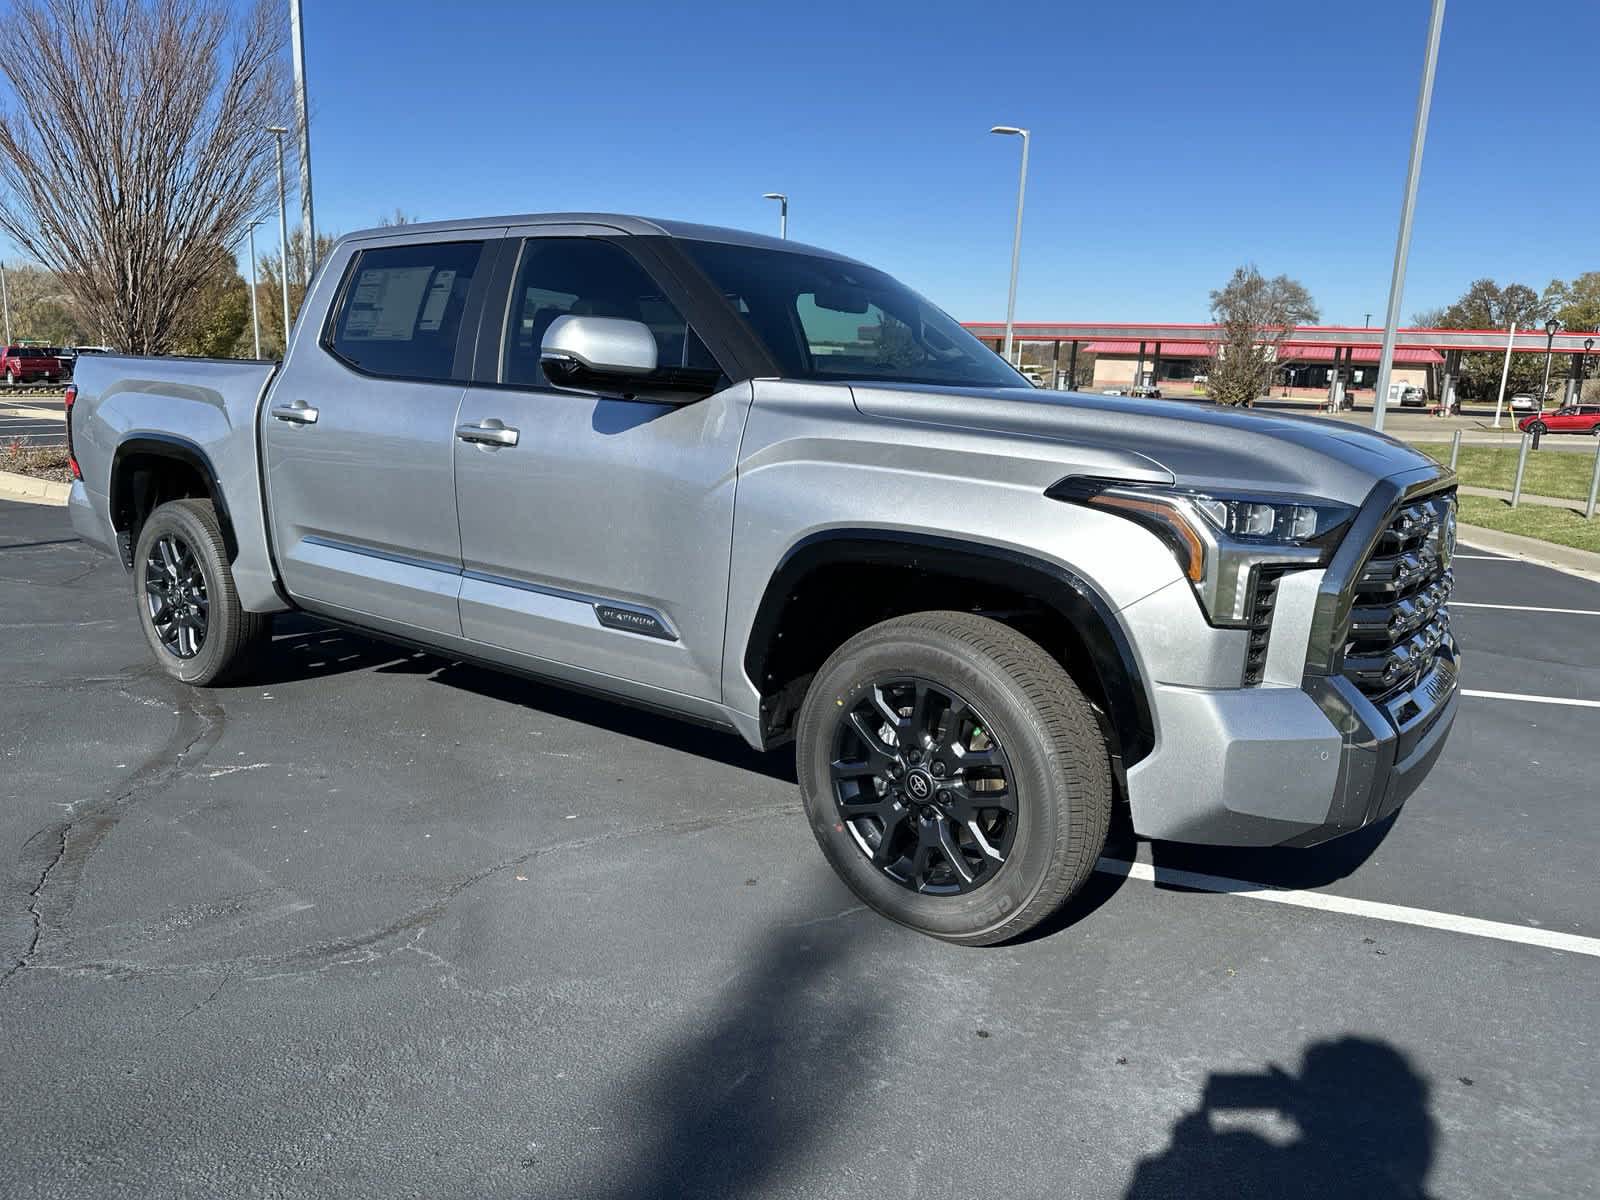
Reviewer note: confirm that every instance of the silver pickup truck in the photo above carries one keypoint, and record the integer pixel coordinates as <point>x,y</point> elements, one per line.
<point>761,485</point>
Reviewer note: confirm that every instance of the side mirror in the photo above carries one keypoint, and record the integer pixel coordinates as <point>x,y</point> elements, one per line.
<point>610,354</point>
<point>576,350</point>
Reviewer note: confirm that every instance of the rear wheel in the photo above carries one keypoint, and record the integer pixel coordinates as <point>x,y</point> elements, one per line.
<point>1539,428</point>
<point>188,607</point>
<point>11,376</point>
<point>954,775</point>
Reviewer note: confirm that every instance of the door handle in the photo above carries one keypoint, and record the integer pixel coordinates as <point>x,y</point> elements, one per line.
<point>490,433</point>
<point>299,413</point>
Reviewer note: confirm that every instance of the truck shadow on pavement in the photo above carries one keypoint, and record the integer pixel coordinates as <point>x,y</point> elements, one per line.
<point>1277,866</point>
<point>304,648</point>
<point>1353,1123</point>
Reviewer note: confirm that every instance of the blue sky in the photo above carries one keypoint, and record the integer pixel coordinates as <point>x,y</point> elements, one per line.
<point>1172,140</point>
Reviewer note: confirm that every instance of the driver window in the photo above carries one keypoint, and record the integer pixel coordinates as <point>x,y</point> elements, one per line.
<point>587,277</point>
<point>845,332</point>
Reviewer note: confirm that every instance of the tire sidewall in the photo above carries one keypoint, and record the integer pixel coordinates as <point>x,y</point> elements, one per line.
<point>181,521</point>
<point>1037,783</point>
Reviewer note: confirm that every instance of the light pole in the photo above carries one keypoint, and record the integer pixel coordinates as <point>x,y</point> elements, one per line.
<point>5,298</point>
<point>255,312</point>
<point>1583,370</point>
<point>307,225</point>
<point>1505,373</point>
<point>1408,209</point>
<point>1016,240</point>
<point>1551,328</point>
<point>283,233</point>
<point>783,211</point>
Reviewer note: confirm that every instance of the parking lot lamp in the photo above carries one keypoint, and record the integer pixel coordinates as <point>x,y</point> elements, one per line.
<point>283,233</point>
<point>1551,328</point>
<point>1583,370</point>
<point>1016,239</point>
<point>783,211</point>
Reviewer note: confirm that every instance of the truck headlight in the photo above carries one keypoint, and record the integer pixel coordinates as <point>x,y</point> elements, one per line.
<point>1221,538</point>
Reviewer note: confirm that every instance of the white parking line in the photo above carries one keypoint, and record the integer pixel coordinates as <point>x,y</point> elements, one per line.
<point>1548,939</point>
<point>1530,699</point>
<point>1572,612</point>
<point>1487,557</point>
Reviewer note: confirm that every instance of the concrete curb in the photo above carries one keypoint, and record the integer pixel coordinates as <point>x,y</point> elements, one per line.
<point>1527,498</point>
<point>1582,563</point>
<point>32,491</point>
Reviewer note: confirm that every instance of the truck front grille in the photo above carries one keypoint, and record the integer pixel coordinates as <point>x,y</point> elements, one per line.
<point>1399,617</point>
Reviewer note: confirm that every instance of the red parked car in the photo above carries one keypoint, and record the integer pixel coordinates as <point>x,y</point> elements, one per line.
<point>27,364</point>
<point>1574,418</point>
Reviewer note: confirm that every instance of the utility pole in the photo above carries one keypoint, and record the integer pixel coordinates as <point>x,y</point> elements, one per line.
<point>1408,209</point>
<point>1016,239</point>
<point>1505,371</point>
<point>307,224</point>
<point>255,311</point>
<point>283,234</point>
<point>5,296</point>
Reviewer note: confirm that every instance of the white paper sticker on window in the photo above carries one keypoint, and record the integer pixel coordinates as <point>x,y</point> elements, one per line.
<point>438,297</point>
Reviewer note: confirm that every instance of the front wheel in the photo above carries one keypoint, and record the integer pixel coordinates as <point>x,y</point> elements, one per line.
<point>1538,429</point>
<point>11,377</point>
<point>954,775</point>
<point>188,607</point>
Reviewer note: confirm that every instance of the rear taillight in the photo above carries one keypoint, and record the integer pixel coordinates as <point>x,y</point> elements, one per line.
<point>70,399</point>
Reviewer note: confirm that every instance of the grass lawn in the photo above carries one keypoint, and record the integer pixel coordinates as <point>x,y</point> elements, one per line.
<point>1561,525</point>
<point>1563,474</point>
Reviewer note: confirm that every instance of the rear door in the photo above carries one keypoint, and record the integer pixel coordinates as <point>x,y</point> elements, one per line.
<point>357,433</point>
<point>600,540</point>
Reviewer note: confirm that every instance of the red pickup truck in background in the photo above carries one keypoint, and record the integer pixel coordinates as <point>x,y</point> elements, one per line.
<point>29,364</point>
<point>1574,418</point>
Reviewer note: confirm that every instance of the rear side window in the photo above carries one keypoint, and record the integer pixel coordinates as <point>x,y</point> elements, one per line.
<point>400,313</point>
<point>586,276</point>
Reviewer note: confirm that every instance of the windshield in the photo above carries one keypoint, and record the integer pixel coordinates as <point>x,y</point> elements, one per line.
<point>826,319</point>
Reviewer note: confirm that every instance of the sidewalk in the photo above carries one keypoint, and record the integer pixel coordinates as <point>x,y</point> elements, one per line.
<point>1576,506</point>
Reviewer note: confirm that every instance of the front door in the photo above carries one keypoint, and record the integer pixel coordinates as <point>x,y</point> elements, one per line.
<point>595,530</point>
<point>358,443</point>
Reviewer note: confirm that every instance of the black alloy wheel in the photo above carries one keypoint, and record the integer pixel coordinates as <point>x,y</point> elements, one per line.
<point>1538,429</point>
<point>925,790</point>
<point>176,597</point>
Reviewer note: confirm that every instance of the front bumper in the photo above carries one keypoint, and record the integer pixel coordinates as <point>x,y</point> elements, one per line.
<point>1308,756</point>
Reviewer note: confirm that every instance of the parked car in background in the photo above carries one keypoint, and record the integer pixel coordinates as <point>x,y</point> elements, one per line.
<point>1413,397</point>
<point>1522,402</point>
<point>1574,418</point>
<point>30,364</point>
<point>1145,391</point>
<point>985,617</point>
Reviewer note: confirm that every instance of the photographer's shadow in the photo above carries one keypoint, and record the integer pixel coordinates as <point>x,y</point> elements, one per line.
<point>1353,1123</point>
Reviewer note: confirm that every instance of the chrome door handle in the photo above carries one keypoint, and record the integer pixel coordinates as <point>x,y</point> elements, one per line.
<point>300,413</point>
<point>490,433</point>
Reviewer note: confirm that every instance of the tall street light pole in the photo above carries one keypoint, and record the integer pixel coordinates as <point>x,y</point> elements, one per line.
<point>1551,328</point>
<point>783,211</point>
<point>1408,208</point>
<point>255,311</point>
<point>1016,239</point>
<point>308,226</point>
<point>283,233</point>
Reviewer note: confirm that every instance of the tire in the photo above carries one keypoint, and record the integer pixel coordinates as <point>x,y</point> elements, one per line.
<point>1539,428</point>
<point>1013,705</point>
<point>11,378</point>
<point>228,634</point>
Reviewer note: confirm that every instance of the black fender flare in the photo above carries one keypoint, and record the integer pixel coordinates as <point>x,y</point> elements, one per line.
<point>1071,596</point>
<point>179,449</point>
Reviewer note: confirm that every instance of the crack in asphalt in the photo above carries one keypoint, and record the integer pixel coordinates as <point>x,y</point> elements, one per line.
<point>78,837</point>
<point>366,947</point>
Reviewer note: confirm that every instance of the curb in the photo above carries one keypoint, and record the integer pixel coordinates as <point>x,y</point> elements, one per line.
<point>1527,498</point>
<point>32,491</point>
<point>1582,563</point>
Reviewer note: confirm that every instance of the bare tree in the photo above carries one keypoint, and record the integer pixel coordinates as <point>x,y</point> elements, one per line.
<point>270,297</point>
<point>1254,317</point>
<point>133,151</point>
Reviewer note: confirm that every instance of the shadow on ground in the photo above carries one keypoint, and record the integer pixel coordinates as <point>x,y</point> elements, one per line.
<point>1312,867</point>
<point>304,648</point>
<point>754,1084</point>
<point>1354,1123</point>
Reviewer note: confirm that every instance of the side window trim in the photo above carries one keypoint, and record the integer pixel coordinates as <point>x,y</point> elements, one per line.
<point>467,334</point>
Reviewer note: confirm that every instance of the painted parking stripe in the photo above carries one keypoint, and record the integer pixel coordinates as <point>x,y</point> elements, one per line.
<point>1547,939</point>
<point>1571,612</point>
<point>1531,699</point>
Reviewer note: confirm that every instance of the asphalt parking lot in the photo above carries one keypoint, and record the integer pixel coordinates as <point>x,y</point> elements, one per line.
<point>32,420</point>
<point>378,924</point>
